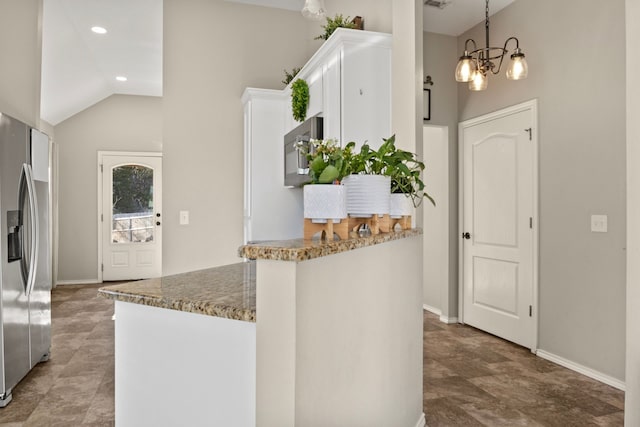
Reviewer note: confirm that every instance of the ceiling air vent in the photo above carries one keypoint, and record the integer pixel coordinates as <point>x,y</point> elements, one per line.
<point>440,4</point>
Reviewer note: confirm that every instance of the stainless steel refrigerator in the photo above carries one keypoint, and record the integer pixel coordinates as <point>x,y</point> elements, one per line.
<point>25,269</point>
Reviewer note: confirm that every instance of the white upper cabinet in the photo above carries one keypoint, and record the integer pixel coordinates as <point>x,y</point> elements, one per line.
<point>349,80</point>
<point>331,96</point>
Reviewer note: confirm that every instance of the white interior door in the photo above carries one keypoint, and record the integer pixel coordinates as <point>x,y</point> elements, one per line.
<point>499,198</point>
<point>131,220</point>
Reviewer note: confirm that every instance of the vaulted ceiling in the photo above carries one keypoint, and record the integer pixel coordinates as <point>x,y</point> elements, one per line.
<point>79,67</point>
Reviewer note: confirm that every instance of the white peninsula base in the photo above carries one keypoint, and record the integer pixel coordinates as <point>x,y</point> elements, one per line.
<point>175,368</point>
<point>339,338</point>
<point>319,334</point>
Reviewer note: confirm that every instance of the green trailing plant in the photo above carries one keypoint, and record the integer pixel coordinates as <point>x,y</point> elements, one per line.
<point>289,76</point>
<point>332,24</point>
<point>299,99</point>
<point>403,167</point>
<point>328,162</point>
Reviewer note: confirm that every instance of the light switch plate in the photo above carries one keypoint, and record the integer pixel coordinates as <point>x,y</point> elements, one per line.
<point>599,223</point>
<point>184,217</point>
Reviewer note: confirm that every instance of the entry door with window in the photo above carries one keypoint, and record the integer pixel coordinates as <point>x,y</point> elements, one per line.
<point>131,220</point>
<point>499,203</point>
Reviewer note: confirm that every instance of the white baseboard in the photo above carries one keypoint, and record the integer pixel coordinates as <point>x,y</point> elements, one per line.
<point>448,320</point>
<point>422,422</point>
<point>78,282</point>
<point>591,373</point>
<point>438,312</point>
<point>433,310</point>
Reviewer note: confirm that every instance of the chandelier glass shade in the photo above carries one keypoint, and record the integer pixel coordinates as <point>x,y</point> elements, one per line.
<point>475,65</point>
<point>314,10</point>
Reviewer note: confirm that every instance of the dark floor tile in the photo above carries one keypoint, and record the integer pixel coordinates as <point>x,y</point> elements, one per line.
<point>612,420</point>
<point>434,369</point>
<point>575,397</point>
<point>558,415</point>
<point>466,367</point>
<point>515,391</point>
<point>594,388</point>
<point>444,412</point>
<point>454,386</point>
<point>20,408</point>
<point>67,402</point>
<point>498,415</point>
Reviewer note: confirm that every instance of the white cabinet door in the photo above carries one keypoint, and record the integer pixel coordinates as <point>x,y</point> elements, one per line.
<point>315,93</point>
<point>289,122</point>
<point>331,89</point>
<point>366,94</point>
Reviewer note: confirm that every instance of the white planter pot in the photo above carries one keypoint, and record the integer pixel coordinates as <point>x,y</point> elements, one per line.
<point>400,205</point>
<point>367,195</point>
<point>325,201</point>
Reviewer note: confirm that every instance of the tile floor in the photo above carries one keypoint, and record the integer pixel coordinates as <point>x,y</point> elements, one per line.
<point>470,378</point>
<point>75,387</point>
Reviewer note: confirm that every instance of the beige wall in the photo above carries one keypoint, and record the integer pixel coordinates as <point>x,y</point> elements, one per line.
<point>21,47</point>
<point>582,167</point>
<point>440,57</point>
<point>213,50</point>
<point>632,408</point>
<point>118,123</point>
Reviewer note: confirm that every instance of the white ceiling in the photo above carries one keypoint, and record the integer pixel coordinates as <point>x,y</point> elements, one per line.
<point>453,20</point>
<point>79,67</point>
<point>459,15</point>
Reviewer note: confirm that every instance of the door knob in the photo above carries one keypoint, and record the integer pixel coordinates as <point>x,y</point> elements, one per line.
<point>466,235</point>
<point>157,222</point>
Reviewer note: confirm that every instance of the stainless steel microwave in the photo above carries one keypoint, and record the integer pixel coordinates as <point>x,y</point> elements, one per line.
<point>296,145</point>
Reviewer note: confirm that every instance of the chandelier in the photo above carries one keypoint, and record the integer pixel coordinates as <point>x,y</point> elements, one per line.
<point>474,66</point>
<point>314,10</point>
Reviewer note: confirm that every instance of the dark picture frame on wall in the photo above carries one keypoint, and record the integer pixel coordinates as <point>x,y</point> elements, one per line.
<point>426,104</point>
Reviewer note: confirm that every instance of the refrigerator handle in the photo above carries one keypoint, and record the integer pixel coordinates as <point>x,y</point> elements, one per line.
<point>35,238</point>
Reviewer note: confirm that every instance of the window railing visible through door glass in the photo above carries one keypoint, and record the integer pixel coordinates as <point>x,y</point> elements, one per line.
<point>132,211</point>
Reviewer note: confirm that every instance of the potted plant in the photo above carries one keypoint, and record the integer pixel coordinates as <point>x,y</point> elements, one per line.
<point>404,169</point>
<point>324,197</point>
<point>397,173</point>
<point>367,186</point>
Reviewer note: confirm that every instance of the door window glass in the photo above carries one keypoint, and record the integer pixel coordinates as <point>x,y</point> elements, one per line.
<point>132,204</point>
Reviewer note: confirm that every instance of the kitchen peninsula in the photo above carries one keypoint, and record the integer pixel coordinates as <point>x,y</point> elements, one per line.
<point>311,333</point>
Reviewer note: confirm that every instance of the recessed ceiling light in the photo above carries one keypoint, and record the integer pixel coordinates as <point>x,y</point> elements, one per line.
<point>99,30</point>
<point>121,78</point>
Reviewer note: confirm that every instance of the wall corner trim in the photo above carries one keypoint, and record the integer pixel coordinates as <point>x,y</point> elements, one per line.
<point>591,373</point>
<point>448,320</point>
<point>431,309</point>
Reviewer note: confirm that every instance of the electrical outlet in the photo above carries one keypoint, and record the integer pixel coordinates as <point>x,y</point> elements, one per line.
<point>184,217</point>
<point>599,223</point>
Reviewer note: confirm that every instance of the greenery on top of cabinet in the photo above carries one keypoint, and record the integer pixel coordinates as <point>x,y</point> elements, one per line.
<point>332,24</point>
<point>299,99</point>
<point>289,76</point>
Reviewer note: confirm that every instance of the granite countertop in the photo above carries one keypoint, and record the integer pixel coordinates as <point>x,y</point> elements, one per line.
<point>228,292</point>
<point>302,250</point>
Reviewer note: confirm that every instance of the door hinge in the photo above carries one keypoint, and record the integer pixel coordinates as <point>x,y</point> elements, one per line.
<point>101,217</point>
<point>101,168</point>
<point>530,311</point>
<point>101,267</point>
<point>530,130</point>
<point>530,222</point>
